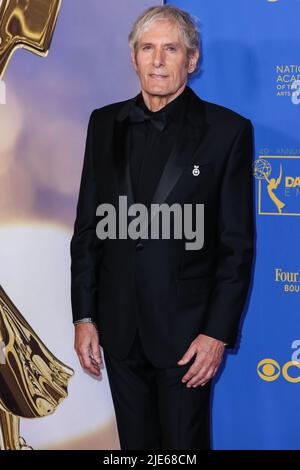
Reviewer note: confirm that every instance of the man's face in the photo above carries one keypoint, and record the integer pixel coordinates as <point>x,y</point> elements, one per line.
<point>161,60</point>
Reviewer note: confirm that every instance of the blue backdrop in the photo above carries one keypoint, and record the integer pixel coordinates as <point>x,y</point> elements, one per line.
<point>251,65</point>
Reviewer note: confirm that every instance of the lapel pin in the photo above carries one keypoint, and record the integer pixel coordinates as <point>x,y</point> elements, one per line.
<point>196,171</point>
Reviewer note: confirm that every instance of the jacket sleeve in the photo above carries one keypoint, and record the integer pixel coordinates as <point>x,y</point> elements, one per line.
<point>85,247</point>
<point>235,241</point>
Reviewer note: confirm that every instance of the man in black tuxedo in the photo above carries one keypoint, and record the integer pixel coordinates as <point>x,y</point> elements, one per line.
<point>162,313</point>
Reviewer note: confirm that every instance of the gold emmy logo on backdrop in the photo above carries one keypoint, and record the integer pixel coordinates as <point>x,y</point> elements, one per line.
<point>28,24</point>
<point>262,170</point>
<point>33,382</point>
<point>283,192</point>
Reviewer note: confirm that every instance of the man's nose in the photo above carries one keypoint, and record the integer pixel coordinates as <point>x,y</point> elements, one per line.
<point>158,58</point>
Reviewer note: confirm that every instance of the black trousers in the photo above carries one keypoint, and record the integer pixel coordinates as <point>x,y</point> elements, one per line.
<point>154,409</point>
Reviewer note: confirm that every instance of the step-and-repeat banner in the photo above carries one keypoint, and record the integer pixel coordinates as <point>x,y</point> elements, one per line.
<point>251,64</point>
<point>250,53</point>
<point>45,104</point>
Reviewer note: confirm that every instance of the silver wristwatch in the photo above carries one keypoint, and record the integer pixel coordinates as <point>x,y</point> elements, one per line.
<point>85,320</point>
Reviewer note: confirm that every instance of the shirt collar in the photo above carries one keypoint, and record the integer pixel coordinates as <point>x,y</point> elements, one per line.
<point>171,109</point>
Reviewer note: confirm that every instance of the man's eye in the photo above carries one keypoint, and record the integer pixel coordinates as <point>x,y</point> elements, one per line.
<point>171,48</point>
<point>146,48</point>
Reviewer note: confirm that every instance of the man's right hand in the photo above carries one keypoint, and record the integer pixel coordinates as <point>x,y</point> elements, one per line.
<point>87,347</point>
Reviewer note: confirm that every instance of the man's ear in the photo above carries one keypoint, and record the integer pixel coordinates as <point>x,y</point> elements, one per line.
<point>193,59</point>
<point>133,60</point>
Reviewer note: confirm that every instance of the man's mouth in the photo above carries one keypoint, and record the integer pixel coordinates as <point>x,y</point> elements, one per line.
<point>158,76</point>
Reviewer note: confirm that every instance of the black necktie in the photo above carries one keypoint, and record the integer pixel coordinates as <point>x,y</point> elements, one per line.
<point>158,119</point>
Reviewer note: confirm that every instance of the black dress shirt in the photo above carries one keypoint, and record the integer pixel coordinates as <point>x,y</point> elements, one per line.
<point>150,147</point>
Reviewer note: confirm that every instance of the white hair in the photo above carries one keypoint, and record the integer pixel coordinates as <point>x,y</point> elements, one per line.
<point>186,23</point>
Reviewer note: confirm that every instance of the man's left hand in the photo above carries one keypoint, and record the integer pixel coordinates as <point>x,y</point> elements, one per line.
<point>209,353</point>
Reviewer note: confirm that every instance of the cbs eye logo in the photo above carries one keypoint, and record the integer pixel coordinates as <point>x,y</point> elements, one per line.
<point>269,370</point>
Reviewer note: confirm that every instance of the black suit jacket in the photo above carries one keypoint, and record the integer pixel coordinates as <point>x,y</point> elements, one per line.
<point>169,293</point>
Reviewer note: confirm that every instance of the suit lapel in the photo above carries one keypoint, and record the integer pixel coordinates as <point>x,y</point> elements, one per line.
<point>183,153</point>
<point>121,154</point>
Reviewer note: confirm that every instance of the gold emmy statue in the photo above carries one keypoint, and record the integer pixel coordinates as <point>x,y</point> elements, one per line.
<point>33,382</point>
<point>28,24</point>
<point>273,184</point>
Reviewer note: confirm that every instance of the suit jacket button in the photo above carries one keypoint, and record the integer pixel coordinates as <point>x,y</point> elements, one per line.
<point>139,246</point>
